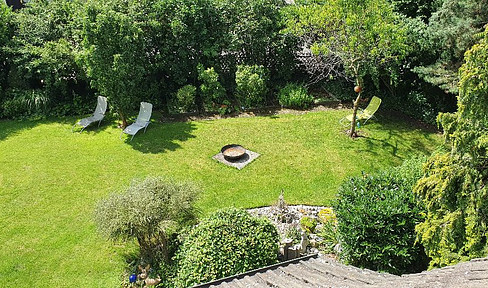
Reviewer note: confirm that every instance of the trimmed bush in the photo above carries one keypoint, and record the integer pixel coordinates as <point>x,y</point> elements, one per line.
<point>149,211</point>
<point>377,215</point>
<point>228,242</point>
<point>251,85</point>
<point>295,96</point>
<point>186,97</point>
<point>212,92</point>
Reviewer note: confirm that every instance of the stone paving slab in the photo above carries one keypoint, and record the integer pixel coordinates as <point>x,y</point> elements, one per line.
<point>248,157</point>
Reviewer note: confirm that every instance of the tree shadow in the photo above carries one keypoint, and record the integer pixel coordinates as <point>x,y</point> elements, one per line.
<point>398,129</point>
<point>385,144</point>
<point>11,128</point>
<point>397,134</point>
<point>161,137</point>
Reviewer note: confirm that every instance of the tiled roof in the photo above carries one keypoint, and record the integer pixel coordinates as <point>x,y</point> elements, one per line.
<point>319,271</point>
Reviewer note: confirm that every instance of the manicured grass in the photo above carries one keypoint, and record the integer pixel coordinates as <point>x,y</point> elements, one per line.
<point>50,179</point>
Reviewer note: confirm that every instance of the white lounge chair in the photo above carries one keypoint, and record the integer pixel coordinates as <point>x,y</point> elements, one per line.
<point>143,119</point>
<point>97,115</point>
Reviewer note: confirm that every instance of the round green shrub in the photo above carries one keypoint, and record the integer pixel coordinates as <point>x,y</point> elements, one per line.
<point>377,215</point>
<point>212,92</point>
<point>251,85</point>
<point>295,96</point>
<point>186,97</point>
<point>228,242</point>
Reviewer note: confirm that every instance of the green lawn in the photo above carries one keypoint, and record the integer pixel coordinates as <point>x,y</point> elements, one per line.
<point>50,179</point>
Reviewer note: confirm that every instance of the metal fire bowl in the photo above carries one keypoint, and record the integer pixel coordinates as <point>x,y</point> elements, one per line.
<point>233,152</point>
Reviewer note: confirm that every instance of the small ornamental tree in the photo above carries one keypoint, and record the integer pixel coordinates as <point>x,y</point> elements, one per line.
<point>149,211</point>
<point>454,188</point>
<point>359,36</point>
<point>114,55</point>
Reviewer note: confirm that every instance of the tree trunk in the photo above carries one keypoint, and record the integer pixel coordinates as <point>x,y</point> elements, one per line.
<point>145,250</point>
<point>123,119</point>
<point>164,104</point>
<point>162,247</point>
<point>154,248</point>
<point>353,133</point>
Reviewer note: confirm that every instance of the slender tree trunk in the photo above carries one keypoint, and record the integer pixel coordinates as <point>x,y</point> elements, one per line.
<point>123,119</point>
<point>353,133</point>
<point>164,103</point>
<point>145,249</point>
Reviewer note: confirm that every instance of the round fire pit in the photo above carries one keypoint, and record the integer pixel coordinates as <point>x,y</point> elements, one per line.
<point>233,152</point>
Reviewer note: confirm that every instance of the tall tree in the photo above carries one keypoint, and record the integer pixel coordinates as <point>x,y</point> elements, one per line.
<point>447,36</point>
<point>352,38</point>
<point>43,54</point>
<point>114,53</point>
<point>454,188</point>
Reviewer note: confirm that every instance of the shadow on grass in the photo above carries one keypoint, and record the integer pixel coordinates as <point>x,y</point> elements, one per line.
<point>395,132</point>
<point>9,128</point>
<point>161,137</point>
<point>93,128</point>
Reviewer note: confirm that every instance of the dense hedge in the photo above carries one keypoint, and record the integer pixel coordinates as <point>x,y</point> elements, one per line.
<point>47,49</point>
<point>228,242</point>
<point>67,50</point>
<point>377,215</point>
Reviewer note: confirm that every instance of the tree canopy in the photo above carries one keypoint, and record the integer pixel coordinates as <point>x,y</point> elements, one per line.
<point>358,37</point>
<point>114,54</point>
<point>447,34</point>
<point>51,67</point>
